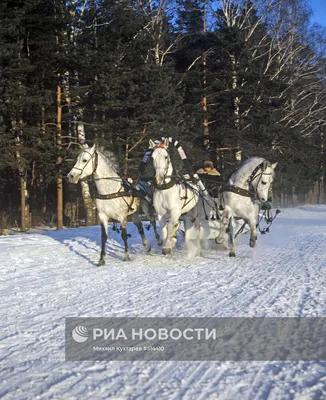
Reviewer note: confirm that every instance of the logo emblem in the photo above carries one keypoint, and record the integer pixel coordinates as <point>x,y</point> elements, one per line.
<point>80,334</point>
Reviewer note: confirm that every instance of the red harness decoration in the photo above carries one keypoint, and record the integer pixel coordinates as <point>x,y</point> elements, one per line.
<point>160,146</point>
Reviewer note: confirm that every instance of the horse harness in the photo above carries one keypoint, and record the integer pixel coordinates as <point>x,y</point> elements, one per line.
<point>176,181</point>
<point>237,190</point>
<point>173,181</point>
<point>127,192</point>
<point>245,192</point>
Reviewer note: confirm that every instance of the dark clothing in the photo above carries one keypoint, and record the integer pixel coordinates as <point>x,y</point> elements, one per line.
<point>212,183</point>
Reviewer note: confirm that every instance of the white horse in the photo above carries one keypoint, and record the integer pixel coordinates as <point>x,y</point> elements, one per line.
<point>113,199</point>
<point>206,215</point>
<point>171,199</point>
<point>247,187</point>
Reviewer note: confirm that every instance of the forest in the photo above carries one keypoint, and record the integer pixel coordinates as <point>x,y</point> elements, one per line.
<point>229,79</point>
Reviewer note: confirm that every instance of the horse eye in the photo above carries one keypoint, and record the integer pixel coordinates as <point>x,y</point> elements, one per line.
<point>84,160</point>
<point>166,157</point>
<point>264,183</point>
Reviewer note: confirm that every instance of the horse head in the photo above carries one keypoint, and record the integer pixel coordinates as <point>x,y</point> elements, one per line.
<point>161,160</point>
<point>85,164</point>
<point>262,181</point>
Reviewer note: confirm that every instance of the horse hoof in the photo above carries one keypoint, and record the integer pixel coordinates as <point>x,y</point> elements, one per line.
<point>159,242</point>
<point>126,257</point>
<point>101,263</point>
<point>252,243</point>
<point>232,254</point>
<point>166,251</point>
<point>219,240</point>
<point>147,246</point>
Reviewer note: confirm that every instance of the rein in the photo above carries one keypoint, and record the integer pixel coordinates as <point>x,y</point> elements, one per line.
<point>269,218</point>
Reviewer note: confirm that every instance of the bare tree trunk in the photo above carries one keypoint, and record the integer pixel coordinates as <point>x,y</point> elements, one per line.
<point>204,100</point>
<point>42,189</point>
<point>89,204</point>
<point>125,167</point>
<point>22,204</point>
<point>236,100</point>
<point>24,208</point>
<point>71,36</point>
<point>321,183</point>
<point>17,125</point>
<point>59,159</point>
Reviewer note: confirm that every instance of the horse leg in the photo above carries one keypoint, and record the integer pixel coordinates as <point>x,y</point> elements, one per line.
<point>149,211</point>
<point>162,219</point>
<point>192,234</point>
<point>224,223</point>
<point>172,228</point>
<point>197,227</point>
<point>174,234</point>
<point>231,238</point>
<point>104,235</point>
<point>253,231</point>
<point>159,241</point>
<point>138,223</point>
<point>151,214</point>
<point>124,236</point>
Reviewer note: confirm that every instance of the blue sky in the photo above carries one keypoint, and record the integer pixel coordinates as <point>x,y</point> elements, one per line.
<point>319,11</point>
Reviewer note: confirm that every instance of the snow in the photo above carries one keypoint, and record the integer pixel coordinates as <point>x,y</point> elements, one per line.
<point>48,276</point>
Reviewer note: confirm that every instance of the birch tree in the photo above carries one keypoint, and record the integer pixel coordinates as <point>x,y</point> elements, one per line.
<point>274,40</point>
<point>71,91</point>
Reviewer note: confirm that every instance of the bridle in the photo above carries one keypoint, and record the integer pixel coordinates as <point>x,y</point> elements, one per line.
<point>161,146</point>
<point>122,192</point>
<point>255,174</point>
<point>252,191</point>
<point>94,158</point>
<point>173,180</point>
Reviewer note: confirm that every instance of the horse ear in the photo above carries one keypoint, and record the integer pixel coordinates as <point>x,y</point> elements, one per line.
<point>93,148</point>
<point>274,165</point>
<point>85,146</point>
<point>151,144</point>
<point>264,166</point>
<point>166,142</point>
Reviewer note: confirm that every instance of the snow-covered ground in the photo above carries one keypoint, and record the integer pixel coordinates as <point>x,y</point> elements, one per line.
<point>48,276</point>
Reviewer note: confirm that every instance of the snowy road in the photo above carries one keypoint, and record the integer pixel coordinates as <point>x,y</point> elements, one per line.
<point>47,277</point>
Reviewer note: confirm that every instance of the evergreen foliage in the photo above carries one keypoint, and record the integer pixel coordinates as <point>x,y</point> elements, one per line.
<point>134,70</point>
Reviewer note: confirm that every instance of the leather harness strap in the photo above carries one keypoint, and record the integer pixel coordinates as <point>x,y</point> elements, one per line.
<point>117,195</point>
<point>241,191</point>
<point>237,190</point>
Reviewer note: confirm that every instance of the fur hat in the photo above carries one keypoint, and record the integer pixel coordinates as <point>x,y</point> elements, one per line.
<point>208,164</point>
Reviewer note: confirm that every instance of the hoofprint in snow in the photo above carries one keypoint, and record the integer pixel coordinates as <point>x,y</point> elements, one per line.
<point>47,277</point>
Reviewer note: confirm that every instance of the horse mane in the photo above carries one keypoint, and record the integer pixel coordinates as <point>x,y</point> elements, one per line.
<point>110,158</point>
<point>241,173</point>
